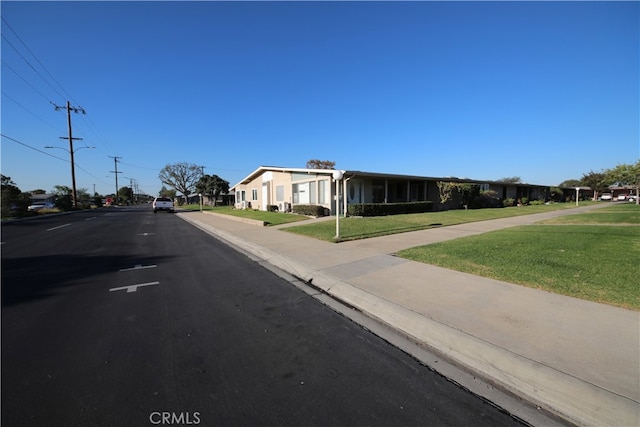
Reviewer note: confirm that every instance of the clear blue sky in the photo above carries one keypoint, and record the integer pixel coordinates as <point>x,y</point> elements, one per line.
<point>542,90</point>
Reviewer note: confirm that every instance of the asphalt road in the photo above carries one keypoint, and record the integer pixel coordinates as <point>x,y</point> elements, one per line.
<point>123,317</point>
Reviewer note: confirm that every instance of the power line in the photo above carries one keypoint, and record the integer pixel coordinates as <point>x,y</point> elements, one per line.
<point>32,67</point>
<point>36,58</point>
<point>25,80</point>
<point>92,127</point>
<point>55,157</point>
<point>33,148</point>
<point>28,111</point>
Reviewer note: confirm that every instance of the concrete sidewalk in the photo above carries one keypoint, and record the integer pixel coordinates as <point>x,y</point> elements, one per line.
<point>574,358</point>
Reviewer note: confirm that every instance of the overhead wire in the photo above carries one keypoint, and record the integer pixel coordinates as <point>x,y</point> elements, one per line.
<point>88,122</point>
<point>31,66</point>
<point>37,60</point>
<point>25,80</point>
<point>30,112</point>
<point>55,157</point>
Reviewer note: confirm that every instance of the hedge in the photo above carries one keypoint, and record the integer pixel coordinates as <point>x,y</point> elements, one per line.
<point>310,210</point>
<point>382,209</point>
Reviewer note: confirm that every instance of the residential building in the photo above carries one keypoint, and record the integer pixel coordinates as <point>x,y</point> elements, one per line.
<point>285,187</point>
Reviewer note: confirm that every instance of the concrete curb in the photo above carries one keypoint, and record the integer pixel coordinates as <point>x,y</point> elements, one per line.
<point>569,397</point>
<point>238,219</point>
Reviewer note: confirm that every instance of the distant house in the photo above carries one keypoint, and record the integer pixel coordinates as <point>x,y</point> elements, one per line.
<point>43,198</point>
<point>223,199</point>
<point>622,190</point>
<point>285,187</point>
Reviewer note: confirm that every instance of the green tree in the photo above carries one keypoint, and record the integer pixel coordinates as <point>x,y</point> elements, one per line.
<point>213,186</point>
<point>625,175</point>
<point>125,195</point>
<point>557,194</point>
<point>570,183</point>
<point>165,192</point>
<point>445,189</point>
<point>14,201</point>
<point>64,199</point>
<point>596,181</point>
<point>468,192</point>
<point>511,180</point>
<point>320,164</point>
<point>181,176</point>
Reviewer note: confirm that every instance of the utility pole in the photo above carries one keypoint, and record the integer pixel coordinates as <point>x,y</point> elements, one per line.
<point>69,108</point>
<point>115,161</point>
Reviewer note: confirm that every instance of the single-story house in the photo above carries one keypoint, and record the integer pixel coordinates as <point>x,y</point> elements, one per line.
<point>284,187</point>
<point>223,199</point>
<point>43,198</point>
<point>622,190</point>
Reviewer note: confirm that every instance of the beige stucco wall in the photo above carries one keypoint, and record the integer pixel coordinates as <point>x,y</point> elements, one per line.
<point>272,180</point>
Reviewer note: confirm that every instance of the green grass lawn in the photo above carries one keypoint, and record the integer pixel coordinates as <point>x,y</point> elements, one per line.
<point>618,213</point>
<point>271,218</point>
<point>352,228</point>
<point>593,262</point>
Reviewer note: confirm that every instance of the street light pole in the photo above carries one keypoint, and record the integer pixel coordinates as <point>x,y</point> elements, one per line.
<point>337,176</point>
<point>71,151</point>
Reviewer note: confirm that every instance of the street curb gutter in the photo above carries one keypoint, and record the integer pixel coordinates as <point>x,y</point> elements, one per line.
<point>569,397</point>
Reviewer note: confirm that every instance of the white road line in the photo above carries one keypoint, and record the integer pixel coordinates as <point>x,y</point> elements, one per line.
<point>89,219</point>
<point>139,267</point>
<point>60,226</point>
<point>133,288</point>
<point>145,234</point>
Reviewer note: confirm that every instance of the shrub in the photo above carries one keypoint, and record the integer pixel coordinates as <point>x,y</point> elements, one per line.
<point>272,208</point>
<point>382,209</point>
<point>309,210</point>
<point>486,199</point>
<point>508,202</point>
<point>536,202</point>
<point>524,200</point>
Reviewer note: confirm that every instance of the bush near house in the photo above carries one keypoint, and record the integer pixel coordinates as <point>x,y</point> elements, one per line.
<point>486,199</point>
<point>383,209</point>
<point>309,210</point>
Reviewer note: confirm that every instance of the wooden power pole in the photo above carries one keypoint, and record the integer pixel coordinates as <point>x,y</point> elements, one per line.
<point>69,109</point>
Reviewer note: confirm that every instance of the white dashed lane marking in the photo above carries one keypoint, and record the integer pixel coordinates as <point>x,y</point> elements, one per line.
<point>139,267</point>
<point>60,226</point>
<point>133,288</point>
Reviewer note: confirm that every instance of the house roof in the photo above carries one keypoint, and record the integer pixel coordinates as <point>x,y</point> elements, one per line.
<point>42,197</point>
<point>256,173</point>
<point>354,173</point>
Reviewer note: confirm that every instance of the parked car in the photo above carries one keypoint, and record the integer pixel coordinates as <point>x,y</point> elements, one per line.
<point>162,204</point>
<point>631,198</point>
<point>39,205</point>
<point>622,197</point>
<point>606,197</point>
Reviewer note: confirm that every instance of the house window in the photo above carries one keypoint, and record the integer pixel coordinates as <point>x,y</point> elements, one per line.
<point>254,194</point>
<point>484,187</point>
<point>312,192</point>
<point>280,193</point>
<point>322,192</point>
<point>296,197</point>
